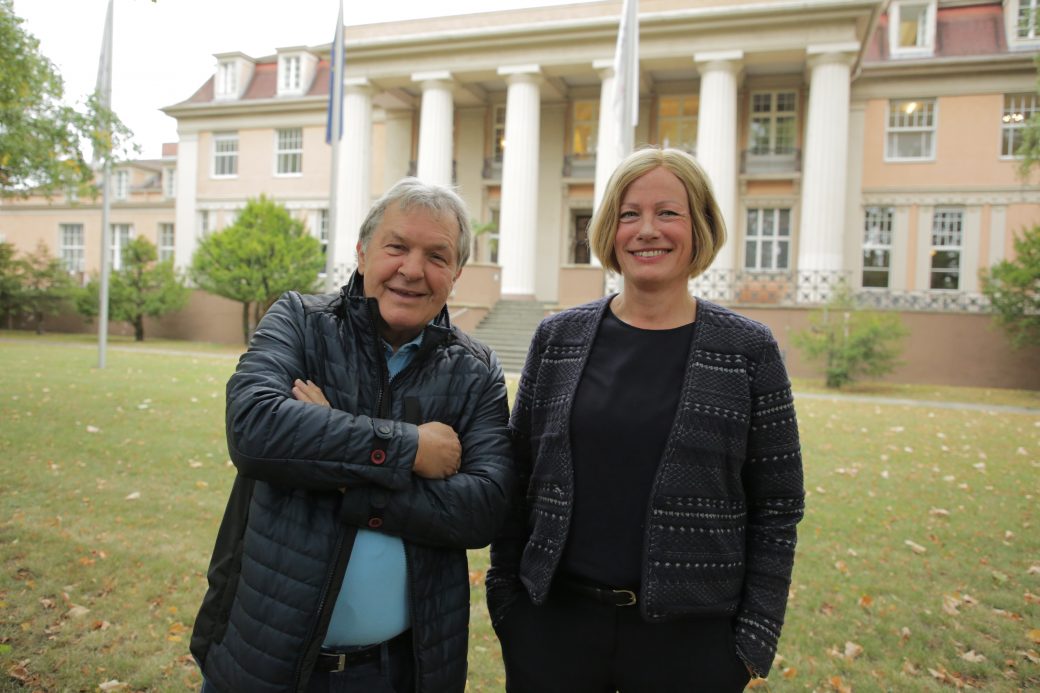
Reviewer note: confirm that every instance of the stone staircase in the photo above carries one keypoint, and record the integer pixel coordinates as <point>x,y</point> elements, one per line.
<point>508,329</point>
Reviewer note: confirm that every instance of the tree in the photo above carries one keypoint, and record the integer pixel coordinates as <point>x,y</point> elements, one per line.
<point>142,288</point>
<point>10,284</point>
<point>40,136</point>
<point>47,287</point>
<point>263,254</point>
<point>850,341</point>
<point>1013,288</point>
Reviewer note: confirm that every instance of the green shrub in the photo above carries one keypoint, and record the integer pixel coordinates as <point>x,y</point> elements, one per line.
<point>851,342</point>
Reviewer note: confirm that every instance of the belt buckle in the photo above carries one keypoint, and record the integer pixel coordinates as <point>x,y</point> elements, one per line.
<point>341,665</point>
<point>627,593</point>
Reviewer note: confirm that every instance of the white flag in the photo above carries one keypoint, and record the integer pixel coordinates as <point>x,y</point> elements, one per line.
<point>626,78</point>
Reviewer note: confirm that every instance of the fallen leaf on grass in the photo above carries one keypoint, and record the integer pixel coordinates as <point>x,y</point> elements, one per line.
<point>100,625</point>
<point>866,601</point>
<point>476,577</point>
<point>915,547</point>
<point>1032,598</point>
<point>77,611</point>
<point>133,496</point>
<point>1031,655</point>
<point>49,603</point>
<point>999,576</point>
<point>112,685</point>
<point>909,668</point>
<point>973,656</point>
<point>939,512</point>
<point>951,605</point>
<point>1033,570</point>
<point>842,567</point>
<point>788,672</point>
<point>18,671</point>
<point>1034,635</point>
<point>837,684</point>
<point>93,429</point>
<point>904,633</point>
<point>853,650</point>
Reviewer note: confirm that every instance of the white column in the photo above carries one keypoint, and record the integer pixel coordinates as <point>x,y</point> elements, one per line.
<point>184,231</point>
<point>354,183</point>
<point>606,149</point>
<point>717,140</point>
<point>436,127</point>
<point>825,171</point>
<point>518,216</point>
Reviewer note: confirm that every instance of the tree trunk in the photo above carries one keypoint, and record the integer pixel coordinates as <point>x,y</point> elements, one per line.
<point>245,322</point>
<point>139,328</point>
<point>38,317</point>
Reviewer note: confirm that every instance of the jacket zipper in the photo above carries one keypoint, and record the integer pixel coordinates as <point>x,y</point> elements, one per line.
<point>339,566</point>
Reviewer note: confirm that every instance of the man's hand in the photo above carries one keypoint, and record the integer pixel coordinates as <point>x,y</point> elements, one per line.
<point>440,452</point>
<point>309,392</point>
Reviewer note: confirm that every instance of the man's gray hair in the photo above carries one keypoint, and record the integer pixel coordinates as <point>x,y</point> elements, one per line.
<point>409,193</point>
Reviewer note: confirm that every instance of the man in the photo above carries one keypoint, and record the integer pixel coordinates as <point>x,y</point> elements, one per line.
<point>371,445</point>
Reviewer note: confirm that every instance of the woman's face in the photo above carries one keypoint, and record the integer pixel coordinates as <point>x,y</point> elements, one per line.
<point>654,241</point>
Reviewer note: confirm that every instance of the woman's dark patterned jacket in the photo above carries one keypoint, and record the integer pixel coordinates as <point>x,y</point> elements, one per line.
<point>726,498</point>
<point>280,553</point>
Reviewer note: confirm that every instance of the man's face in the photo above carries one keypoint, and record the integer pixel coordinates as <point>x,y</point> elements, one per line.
<point>410,267</point>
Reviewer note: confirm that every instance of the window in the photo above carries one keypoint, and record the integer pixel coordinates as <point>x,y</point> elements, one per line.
<point>947,239</point>
<point>120,240</point>
<point>71,246</point>
<point>1018,110</point>
<point>677,122</point>
<point>877,247</point>
<point>911,27</point>
<point>323,230</point>
<point>585,133</point>
<point>225,155</point>
<point>122,186</point>
<point>169,181</point>
<point>498,146</point>
<point>911,130</point>
<point>289,152</point>
<point>580,251</point>
<point>289,74</point>
<point>768,242</point>
<point>1026,24</point>
<point>773,122</point>
<point>165,242</point>
<point>227,79</point>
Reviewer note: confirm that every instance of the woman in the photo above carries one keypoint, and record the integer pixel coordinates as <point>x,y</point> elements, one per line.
<point>651,543</point>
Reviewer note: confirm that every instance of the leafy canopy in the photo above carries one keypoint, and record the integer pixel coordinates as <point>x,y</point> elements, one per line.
<point>142,287</point>
<point>265,253</point>
<point>41,137</point>
<point>1013,288</point>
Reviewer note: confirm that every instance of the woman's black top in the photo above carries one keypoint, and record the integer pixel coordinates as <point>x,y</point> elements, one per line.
<point>623,411</point>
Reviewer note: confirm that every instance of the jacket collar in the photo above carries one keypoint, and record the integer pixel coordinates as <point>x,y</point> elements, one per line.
<point>353,294</point>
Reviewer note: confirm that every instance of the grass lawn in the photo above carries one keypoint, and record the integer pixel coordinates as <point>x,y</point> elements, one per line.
<point>918,566</point>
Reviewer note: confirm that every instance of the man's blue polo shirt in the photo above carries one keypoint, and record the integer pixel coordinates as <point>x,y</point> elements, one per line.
<point>373,602</point>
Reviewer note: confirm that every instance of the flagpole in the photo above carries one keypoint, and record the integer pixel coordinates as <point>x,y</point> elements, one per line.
<point>104,92</point>
<point>333,134</point>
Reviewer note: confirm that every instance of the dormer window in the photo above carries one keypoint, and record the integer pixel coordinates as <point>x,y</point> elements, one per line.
<point>296,68</point>
<point>227,79</point>
<point>911,28</point>
<point>289,71</point>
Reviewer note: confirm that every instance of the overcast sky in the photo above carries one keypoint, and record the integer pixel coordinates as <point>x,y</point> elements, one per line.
<point>163,51</point>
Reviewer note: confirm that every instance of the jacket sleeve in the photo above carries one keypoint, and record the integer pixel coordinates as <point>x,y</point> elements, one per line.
<point>502,581</point>
<point>461,511</point>
<point>273,437</point>
<point>773,487</point>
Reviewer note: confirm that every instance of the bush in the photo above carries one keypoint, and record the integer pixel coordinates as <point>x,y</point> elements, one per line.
<point>851,342</point>
<point>1013,288</point>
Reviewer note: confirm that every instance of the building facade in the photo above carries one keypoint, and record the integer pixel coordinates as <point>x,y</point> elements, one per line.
<point>846,140</point>
<point>861,142</point>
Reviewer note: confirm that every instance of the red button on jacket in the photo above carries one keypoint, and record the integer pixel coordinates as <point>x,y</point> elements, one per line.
<point>378,457</point>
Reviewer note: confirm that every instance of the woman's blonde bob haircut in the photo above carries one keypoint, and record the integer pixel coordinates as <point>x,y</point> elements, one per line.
<point>709,229</point>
